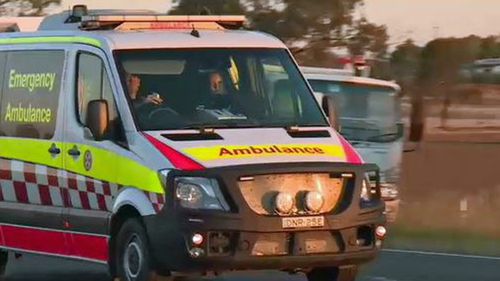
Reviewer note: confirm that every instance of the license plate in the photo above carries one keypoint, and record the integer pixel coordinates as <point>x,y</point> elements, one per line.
<point>303,222</point>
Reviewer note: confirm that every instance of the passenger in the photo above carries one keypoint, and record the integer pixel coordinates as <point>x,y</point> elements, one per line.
<point>219,97</point>
<point>217,84</point>
<point>134,84</point>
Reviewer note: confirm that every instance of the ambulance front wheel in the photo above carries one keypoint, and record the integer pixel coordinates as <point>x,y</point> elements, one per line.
<point>133,260</point>
<point>344,273</point>
<point>4,256</point>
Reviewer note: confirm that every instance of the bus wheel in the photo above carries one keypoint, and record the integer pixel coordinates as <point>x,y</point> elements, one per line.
<point>333,274</point>
<point>133,260</point>
<point>4,257</point>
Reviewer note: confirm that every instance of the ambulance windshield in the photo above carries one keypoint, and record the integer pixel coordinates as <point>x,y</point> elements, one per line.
<point>216,88</point>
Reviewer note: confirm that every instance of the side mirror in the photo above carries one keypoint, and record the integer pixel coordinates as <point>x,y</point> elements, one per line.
<point>98,118</point>
<point>330,109</point>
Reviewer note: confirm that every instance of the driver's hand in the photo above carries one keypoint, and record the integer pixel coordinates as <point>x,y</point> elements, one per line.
<point>154,99</point>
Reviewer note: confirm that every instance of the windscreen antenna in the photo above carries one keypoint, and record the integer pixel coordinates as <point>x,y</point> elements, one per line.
<point>195,32</point>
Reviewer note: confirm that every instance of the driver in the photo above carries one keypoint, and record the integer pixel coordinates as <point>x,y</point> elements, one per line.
<point>133,84</point>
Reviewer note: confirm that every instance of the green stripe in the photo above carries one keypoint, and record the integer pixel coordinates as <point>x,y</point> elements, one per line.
<point>52,40</point>
<point>107,165</point>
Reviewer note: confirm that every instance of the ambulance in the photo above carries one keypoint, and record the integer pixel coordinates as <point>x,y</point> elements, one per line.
<point>158,147</point>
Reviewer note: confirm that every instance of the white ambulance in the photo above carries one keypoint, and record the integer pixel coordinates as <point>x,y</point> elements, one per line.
<point>158,146</point>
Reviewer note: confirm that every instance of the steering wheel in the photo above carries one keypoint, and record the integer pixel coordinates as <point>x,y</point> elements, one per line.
<point>162,110</point>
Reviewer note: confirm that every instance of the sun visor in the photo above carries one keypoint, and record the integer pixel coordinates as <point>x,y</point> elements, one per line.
<point>154,66</point>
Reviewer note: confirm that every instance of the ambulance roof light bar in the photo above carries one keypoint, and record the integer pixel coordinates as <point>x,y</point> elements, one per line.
<point>145,22</point>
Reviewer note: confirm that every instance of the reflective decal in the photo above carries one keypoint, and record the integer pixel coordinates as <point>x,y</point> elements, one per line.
<point>30,93</point>
<point>250,151</point>
<point>52,40</point>
<point>88,247</point>
<point>177,159</point>
<point>107,166</point>
<point>352,155</point>
<point>87,160</point>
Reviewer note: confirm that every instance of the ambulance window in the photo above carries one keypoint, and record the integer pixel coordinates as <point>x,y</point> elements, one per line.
<point>30,93</point>
<point>93,84</point>
<point>2,74</point>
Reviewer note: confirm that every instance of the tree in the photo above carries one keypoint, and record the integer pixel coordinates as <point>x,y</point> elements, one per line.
<point>368,37</point>
<point>26,7</point>
<point>195,7</point>
<point>405,61</point>
<point>442,58</point>
<point>311,29</point>
<point>490,48</point>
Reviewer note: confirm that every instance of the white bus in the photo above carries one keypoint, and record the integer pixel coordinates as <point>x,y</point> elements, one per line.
<point>370,119</point>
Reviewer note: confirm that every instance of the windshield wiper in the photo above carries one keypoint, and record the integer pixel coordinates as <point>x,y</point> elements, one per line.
<point>357,121</point>
<point>211,127</point>
<point>382,137</point>
<point>359,128</point>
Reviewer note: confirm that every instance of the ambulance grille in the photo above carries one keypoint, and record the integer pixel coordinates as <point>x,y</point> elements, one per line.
<point>260,191</point>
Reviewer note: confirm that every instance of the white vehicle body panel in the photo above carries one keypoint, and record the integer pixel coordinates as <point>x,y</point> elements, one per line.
<point>387,156</point>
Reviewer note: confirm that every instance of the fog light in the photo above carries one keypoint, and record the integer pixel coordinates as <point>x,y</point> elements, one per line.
<point>196,252</point>
<point>380,231</point>
<point>197,239</point>
<point>314,201</point>
<point>284,203</point>
<point>360,242</point>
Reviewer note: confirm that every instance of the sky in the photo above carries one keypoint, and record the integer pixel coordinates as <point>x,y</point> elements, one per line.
<point>156,5</point>
<point>421,20</point>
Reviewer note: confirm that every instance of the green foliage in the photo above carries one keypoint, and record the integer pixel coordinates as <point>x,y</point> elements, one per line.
<point>436,67</point>
<point>442,58</point>
<point>25,7</point>
<point>405,61</point>
<point>218,7</point>
<point>310,28</point>
<point>366,36</point>
<point>490,48</point>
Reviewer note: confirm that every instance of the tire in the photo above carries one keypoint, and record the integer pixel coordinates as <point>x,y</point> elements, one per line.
<point>4,257</point>
<point>133,259</point>
<point>333,274</point>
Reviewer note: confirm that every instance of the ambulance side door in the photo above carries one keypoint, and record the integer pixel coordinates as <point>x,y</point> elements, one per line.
<point>32,188</point>
<point>91,164</point>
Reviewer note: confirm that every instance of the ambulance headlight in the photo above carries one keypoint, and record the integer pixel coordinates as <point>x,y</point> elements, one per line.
<point>199,193</point>
<point>369,189</point>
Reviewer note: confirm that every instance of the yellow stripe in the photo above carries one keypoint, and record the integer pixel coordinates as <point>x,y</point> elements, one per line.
<point>106,165</point>
<point>30,151</point>
<point>52,40</point>
<point>251,151</point>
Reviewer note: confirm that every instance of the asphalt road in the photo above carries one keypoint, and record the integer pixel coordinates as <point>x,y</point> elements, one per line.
<point>390,266</point>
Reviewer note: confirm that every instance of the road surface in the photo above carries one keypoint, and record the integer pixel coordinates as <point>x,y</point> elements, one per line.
<point>392,265</point>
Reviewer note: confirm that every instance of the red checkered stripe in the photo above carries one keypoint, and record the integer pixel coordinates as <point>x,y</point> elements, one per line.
<point>24,182</point>
<point>157,199</point>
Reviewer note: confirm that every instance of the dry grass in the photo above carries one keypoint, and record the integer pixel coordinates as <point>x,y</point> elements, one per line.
<point>436,178</point>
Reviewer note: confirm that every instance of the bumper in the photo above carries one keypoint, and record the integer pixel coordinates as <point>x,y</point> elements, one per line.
<point>242,240</point>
